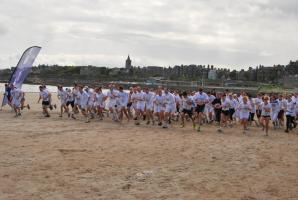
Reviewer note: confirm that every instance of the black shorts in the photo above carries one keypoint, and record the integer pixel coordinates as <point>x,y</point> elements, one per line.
<point>251,116</point>
<point>225,112</point>
<point>188,112</point>
<point>231,112</point>
<point>200,108</point>
<point>280,114</point>
<point>258,112</point>
<point>45,103</point>
<point>266,116</point>
<point>129,104</point>
<point>9,98</point>
<point>177,108</point>
<point>70,103</point>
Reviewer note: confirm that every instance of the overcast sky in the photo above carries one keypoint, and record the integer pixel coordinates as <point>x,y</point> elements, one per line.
<point>226,33</point>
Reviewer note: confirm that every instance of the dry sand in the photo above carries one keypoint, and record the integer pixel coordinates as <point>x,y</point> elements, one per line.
<point>65,159</point>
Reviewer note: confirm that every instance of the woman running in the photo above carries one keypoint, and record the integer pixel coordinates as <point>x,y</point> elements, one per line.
<point>265,114</point>
<point>244,113</point>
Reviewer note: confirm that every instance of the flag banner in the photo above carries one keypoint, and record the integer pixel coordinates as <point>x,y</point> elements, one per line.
<point>22,69</point>
<point>24,66</point>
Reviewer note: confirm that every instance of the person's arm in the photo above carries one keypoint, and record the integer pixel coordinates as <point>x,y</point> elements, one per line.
<point>39,99</point>
<point>50,97</point>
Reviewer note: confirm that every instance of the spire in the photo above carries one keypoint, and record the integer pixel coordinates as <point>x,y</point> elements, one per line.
<point>128,63</point>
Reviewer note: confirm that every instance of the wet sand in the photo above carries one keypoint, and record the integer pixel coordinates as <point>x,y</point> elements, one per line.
<point>68,159</point>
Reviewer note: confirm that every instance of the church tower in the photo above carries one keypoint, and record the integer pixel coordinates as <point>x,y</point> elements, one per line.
<point>128,63</point>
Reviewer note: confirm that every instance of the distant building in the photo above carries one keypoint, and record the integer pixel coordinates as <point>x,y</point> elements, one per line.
<point>212,74</point>
<point>128,63</point>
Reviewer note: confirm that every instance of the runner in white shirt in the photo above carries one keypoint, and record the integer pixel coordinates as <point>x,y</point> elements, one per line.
<point>84,102</point>
<point>170,107</point>
<point>99,98</point>
<point>209,107</point>
<point>178,101</point>
<point>91,102</point>
<point>129,104</point>
<point>140,99</point>
<point>282,102</point>
<point>123,101</point>
<point>70,101</point>
<point>295,100</point>
<point>253,111</point>
<point>112,95</point>
<point>266,111</point>
<point>45,96</point>
<point>77,98</point>
<point>62,96</point>
<point>186,109</point>
<point>258,101</point>
<point>244,111</point>
<point>290,114</point>
<point>159,102</point>
<point>274,111</point>
<point>149,98</point>
<point>17,95</point>
<point>200,98</point>
<point>134,101</point>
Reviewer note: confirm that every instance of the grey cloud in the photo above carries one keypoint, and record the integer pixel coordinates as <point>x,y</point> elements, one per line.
<point>157,32</point>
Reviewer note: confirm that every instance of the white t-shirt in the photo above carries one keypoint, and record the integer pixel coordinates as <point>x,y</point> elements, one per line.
<point>123,98</point>
<point>290,108</point>
<point>149,97</point>
<point>139,97</point>
<point>16,94</point>
<point>187,103</point>
<point>62,94</point>
<point>210,99</point>
<point>112,95</point>
<point>45,95</point>
<point>159,100</point>
<point>70,96</point>
<point>85,98</point>
<point>244,108</point>
<point>258,103</point>
<point>225,104</point>
<point>265,107</point>
<point>275,106</point>
<point>201,98</point>
<point>169,99</point>
<point>99,98</point>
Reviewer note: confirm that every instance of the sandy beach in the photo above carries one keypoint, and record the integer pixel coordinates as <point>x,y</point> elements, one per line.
<point>68,159</point>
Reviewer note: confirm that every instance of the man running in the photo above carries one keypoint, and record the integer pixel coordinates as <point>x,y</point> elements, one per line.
<point>45,96</point>
<point>200,98</point>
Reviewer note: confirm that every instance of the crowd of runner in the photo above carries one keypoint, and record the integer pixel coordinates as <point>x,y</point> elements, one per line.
<point>162,106</point>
